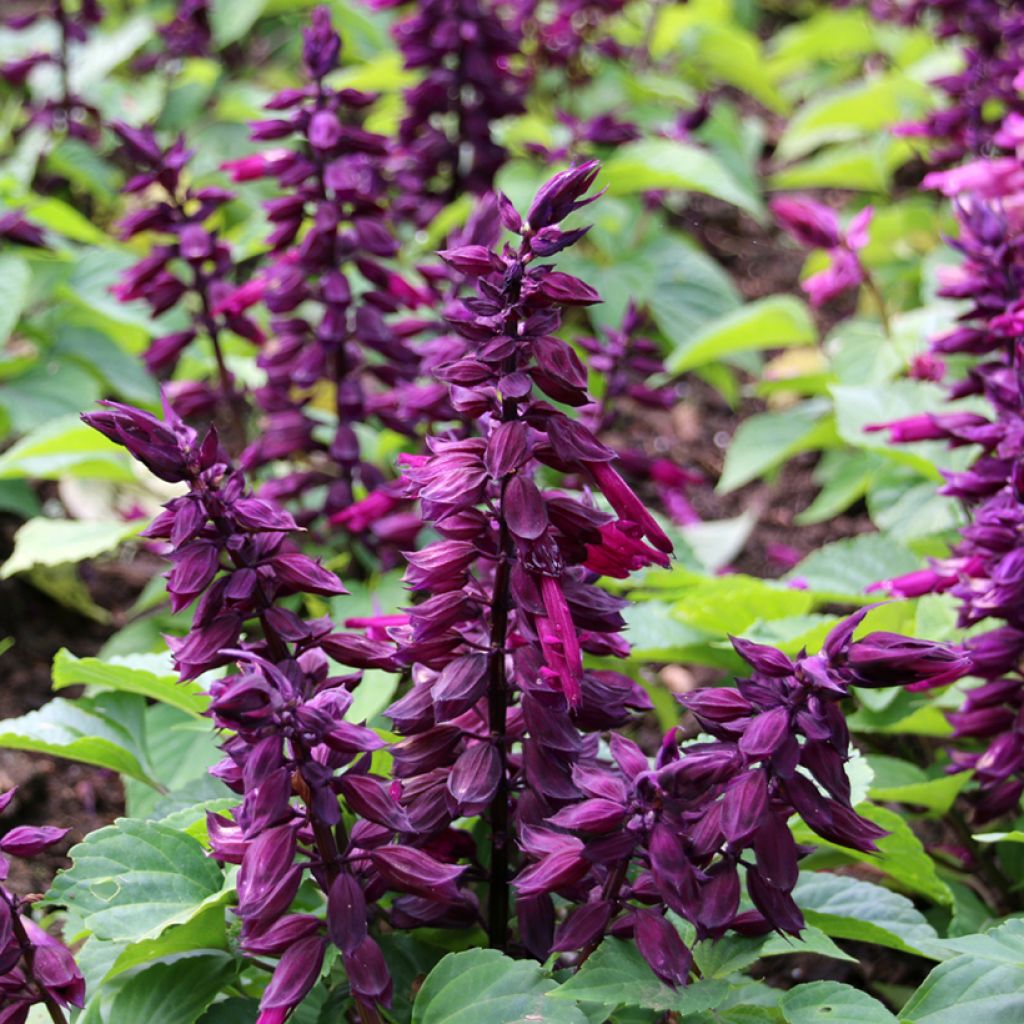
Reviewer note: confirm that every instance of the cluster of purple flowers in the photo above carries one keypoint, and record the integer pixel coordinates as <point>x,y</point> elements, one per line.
<point>988,86</point>
<point>467,53</point>
<point>66,111</point>
<point>35,968</point>
<point>190,267</point>
<point>681,834</point>
<point>334,201</point>
<point>985,570</point>
<point>284,709</point>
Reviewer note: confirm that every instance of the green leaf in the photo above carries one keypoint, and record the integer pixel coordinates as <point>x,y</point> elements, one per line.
<point>900,855</point>
<point>65,447</point>
<point>148,675</point>
<point>831,1002</point>
<point>848,908</point>
<point>106,50</point>
<point>655,634</point>
<point>778,321</point>
<point>846,567</point>
<point>78,731</point>
<point>15,278</point>
<point>617,974</point>
<point>668,164</point>
<point>904,783</point>
<point>723,957</point>
<point>172,993</point>
<point>765,441</point>
<point>731,604</point>
<point>49,389</point>
<point>230,20</point>
<point>861,108</point>
<point>131,880</point>
<point>999,837</point>
<point>969,988</point>
<point>866,165</point>
<point>482,986</point>
<point>57,541</point>
<point>206,931</point>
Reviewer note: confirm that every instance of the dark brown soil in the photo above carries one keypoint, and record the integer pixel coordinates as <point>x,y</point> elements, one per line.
<point>52,791</point>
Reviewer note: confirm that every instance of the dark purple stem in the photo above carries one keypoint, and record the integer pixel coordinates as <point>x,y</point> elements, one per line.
<point>28,954</point>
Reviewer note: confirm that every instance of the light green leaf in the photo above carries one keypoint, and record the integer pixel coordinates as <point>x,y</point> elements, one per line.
<point>901,854</point>
<point>766,440</point>
<point>969,988</point>
<point>482,986</point>
<point>57,541</point>
<point>206,931</point>
<point>149,675</point>
<point>1015,836</point>
<point>668,164</point>
<point>230,20</point>
<point>861,108</point>
<point>65,446</point>
<point>904,783</point>
<point>15,278</point>
<point>78,731</point>
<point>131,880</point>
<point>846,567</point>
<point>778,321</point>
<point>866,165</point>
<point>831,1002</point>
<point>106,50</point>
<point>725,956</point>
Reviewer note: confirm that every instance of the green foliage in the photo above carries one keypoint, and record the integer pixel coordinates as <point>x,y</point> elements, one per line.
<point>481,986</point>
<point>133,879</point>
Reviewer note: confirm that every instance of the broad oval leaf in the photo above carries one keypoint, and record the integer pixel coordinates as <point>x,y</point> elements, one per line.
<point>482,986</point>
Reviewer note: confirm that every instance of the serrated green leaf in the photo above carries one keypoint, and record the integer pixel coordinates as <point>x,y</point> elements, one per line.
<point>616,974</point>
<point>846,567</point>
<point>133,879</point>
<point>482,986</point>
<point>206,931</point>
<point>172,993</point>
<point>969,988</point>
<point>766,440</point>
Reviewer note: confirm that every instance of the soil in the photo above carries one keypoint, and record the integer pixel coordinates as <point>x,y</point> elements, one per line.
<point>52,791</point>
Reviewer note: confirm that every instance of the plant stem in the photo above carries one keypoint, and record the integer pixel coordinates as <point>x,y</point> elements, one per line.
<point>497,712</point>
<point>28,954</point>
<point>876,293</point>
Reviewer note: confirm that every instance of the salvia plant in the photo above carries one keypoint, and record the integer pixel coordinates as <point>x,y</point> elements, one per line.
<point>485,581</point>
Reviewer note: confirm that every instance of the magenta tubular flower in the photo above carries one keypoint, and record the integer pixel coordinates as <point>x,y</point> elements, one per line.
<point>189,266</point>
<point>816,226</point>
<point>327,330</point>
